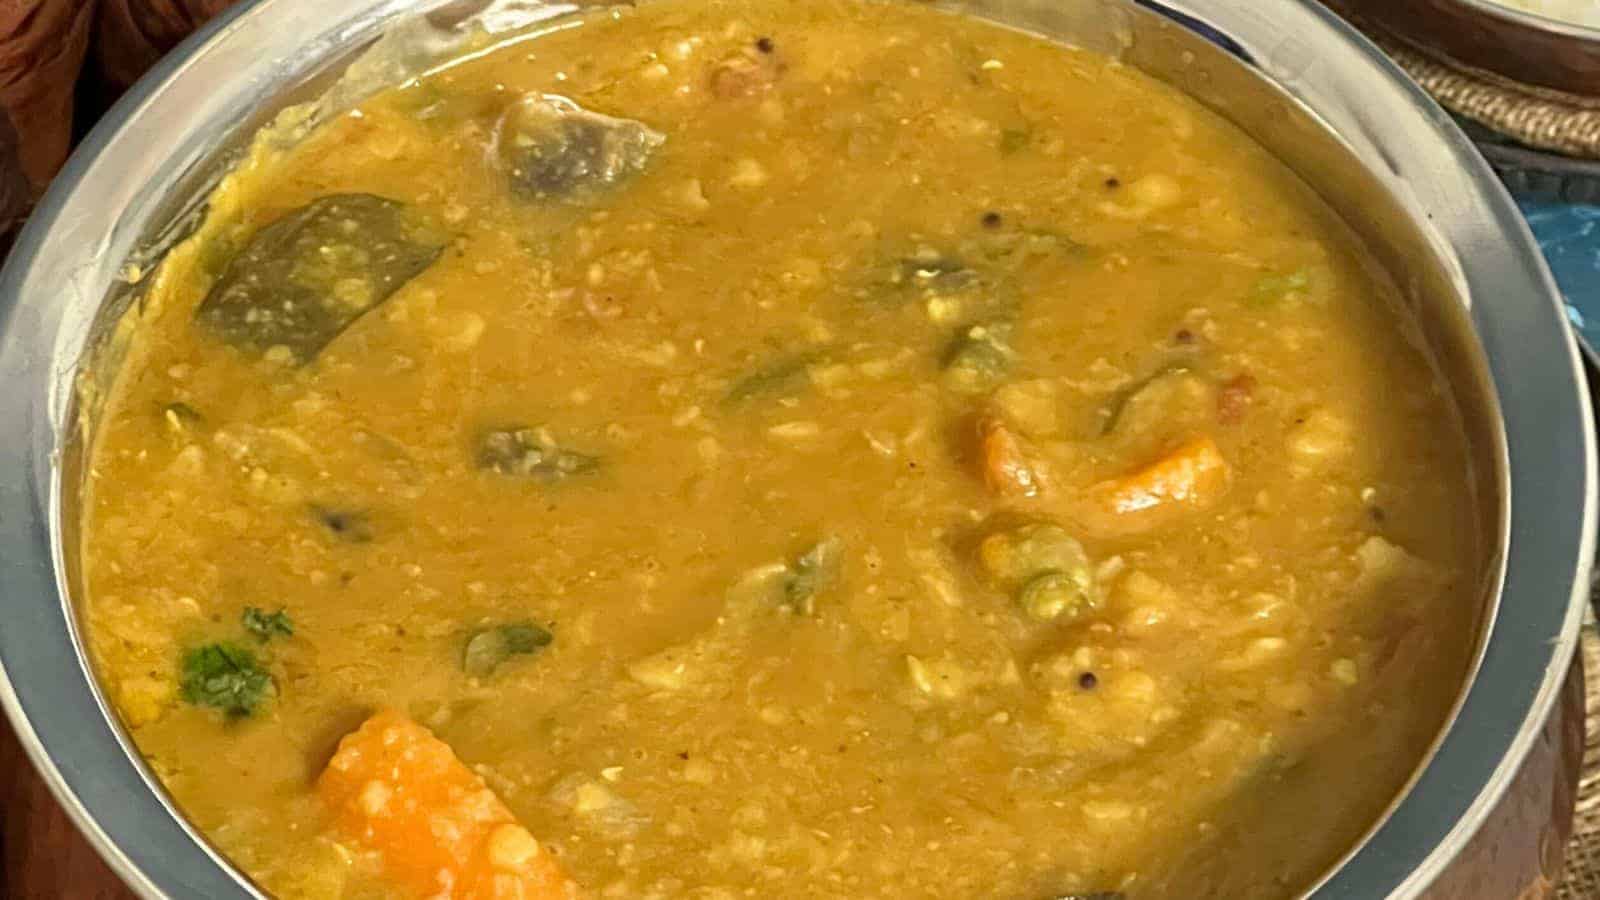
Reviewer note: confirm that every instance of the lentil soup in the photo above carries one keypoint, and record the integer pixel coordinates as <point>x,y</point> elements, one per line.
<point>738,448</point>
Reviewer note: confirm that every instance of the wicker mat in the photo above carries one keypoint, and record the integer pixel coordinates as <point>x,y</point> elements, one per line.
<point>1582,880</point>
<point>1537,117</point>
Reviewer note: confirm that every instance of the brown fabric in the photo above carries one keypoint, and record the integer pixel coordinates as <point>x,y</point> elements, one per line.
<point>1582,881</point>
<point>42,48</point>
<point>42,44</point>
<point>16,193</point>
<point>133,34</point>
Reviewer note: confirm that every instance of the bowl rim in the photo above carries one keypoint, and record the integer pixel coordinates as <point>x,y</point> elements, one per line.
<point>1527,343</point>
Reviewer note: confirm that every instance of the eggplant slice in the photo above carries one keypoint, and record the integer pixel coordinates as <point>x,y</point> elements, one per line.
<point>553,149</point>
<point>302,280</point>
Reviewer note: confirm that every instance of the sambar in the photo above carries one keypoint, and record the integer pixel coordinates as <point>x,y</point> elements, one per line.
<point>847,450</point>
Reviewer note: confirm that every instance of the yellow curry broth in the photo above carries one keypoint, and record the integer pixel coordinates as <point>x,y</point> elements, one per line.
<point>1254,676</point>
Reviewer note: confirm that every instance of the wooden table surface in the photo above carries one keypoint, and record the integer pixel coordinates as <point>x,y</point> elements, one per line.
<point>42,857</point>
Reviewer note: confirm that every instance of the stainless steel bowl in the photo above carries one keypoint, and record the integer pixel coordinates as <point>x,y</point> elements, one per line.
<point>1492,37</point>
<point>1289,73</point>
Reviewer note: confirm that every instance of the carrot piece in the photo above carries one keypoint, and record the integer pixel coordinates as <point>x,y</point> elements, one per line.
<point>1009,469</point>
<point>440,832</point>
<point>1191,477</point>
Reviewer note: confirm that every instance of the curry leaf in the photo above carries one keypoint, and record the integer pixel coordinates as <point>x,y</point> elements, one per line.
<point>303,279</point>
<point>783,378</point>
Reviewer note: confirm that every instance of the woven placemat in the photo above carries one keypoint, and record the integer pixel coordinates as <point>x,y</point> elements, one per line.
<point>1537,117</point>
<point>1582,881</point>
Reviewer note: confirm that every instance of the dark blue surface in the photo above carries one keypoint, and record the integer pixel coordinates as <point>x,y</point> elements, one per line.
<point>1570,236</point>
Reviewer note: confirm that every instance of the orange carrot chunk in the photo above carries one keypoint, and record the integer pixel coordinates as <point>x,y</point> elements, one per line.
<point>1189,478</point>
<point>399,791</point>
<point>1009,469</point>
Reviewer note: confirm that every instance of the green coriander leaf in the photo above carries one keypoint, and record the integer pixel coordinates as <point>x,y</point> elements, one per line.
<point>227,677</point>
<point>266,625</point>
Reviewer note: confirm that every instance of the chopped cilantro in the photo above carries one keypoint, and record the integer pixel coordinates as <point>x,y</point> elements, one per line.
<point>227,677</point>
<point>265,625</point>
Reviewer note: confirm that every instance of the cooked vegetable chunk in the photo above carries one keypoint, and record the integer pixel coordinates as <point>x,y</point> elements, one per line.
<point>948,289</point>
<point>1053,595</point>
<point>487,648</point>
<point>1009,468</point>
<point>532,453</point>
<point>227,677</point>
<point>302,280</point>
<point>1014,555</point>
<point>785,377</point>
<point>1148,403</point>
<point>812,572</point>
<point>794,585</point>
<point>979,360</point>
<point>972,280</point>
<point>552,149</point>
<point>1191,477</point>
<point>1045,567</point>
<point>400,792</point>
